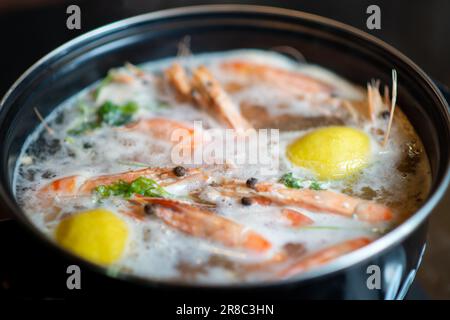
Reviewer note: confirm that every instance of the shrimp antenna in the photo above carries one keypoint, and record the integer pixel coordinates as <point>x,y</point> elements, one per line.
<point>393,102</point>
<point>44,123</point>
<point>134,69</point>
<point>184,47</point>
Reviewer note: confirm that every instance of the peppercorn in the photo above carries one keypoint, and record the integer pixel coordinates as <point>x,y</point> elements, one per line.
<point>149,209</point>
<point>87,145</point>
<point>179,171</point>
<point>251,183</point>
<point>246,201</point>
<point>48,174</point>
<point>385,114</point>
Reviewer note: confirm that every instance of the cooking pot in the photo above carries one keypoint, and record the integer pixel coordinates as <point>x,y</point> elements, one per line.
<point>347,51</point>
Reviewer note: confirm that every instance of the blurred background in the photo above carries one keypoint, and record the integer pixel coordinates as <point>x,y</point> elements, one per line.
<point>31,28</point>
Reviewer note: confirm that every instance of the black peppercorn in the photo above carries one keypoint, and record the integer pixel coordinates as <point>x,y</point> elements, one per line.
<point>48,174</point>
<point>246,201</point>
<point>87,145</point>
<point>179,171</point>
<point>251,182</point>
<point>385,114</point>
<point>149,209</point>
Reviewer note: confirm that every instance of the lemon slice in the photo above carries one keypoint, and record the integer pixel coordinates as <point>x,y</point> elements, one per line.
<point>97,235</point>
<point>331,152</point>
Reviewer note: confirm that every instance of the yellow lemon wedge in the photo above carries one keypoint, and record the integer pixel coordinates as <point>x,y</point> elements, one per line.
<point>97,235</point>
<point>332,152</point>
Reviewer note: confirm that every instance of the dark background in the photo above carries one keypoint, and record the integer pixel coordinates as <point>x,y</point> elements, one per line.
<point>421,29</point>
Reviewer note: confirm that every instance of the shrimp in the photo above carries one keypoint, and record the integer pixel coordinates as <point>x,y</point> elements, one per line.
<point>295,218</point>
<point>76,185</point>
<point>375,103</point>
<point>291,81</point>
<point>163,176</point>
<point>293,258</point>
<point>323,201</point>
<point>177,77</point>
<point>175,132</point>
<point>290,251</point>
<point>333,202</point>
<point>323,256</point>
<point>207,93</point>
<point>210,95</point>
<point>203,223</point>
<point>161,128</point>
<point>61,186</point>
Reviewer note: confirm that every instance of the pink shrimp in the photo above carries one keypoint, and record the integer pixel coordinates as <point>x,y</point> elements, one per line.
<point>178,79</point>
<point>203,223</point>
<point>207,93</point>
<point>295,218</point>
<point>323,256</point>
<point>314,200</point>
<point>175,132</point>
<point>333,202</point>
<point>79,185</point>
<point>291,81</point>
<point>213,98</point>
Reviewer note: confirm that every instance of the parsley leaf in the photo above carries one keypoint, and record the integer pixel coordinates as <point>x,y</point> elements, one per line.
<point>290,181</point>
<point>142,186</point>
<point>82,128</point>
<point>109,114</point>
<point>116,115</point>
<point>315,186</point>
<point>107,80</point>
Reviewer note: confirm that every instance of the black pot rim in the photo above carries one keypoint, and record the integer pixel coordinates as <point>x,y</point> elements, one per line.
<point>392,238</point>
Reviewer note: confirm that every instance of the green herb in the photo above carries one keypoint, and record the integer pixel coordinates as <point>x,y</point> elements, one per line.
<point>83,123</point>
<point>86,110</point>
<point>134,163</point>
<point>69,140</point>
<point>115,115</point>
<point>315,186</point>
<point>290,181</point>
<point>82,128</point>
<point>108,113</point>
<point>142,186</point>
<point>107,80</point>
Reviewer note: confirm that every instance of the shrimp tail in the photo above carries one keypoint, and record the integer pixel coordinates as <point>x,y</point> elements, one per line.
<point>205,224</point>
<point>323,256</point>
